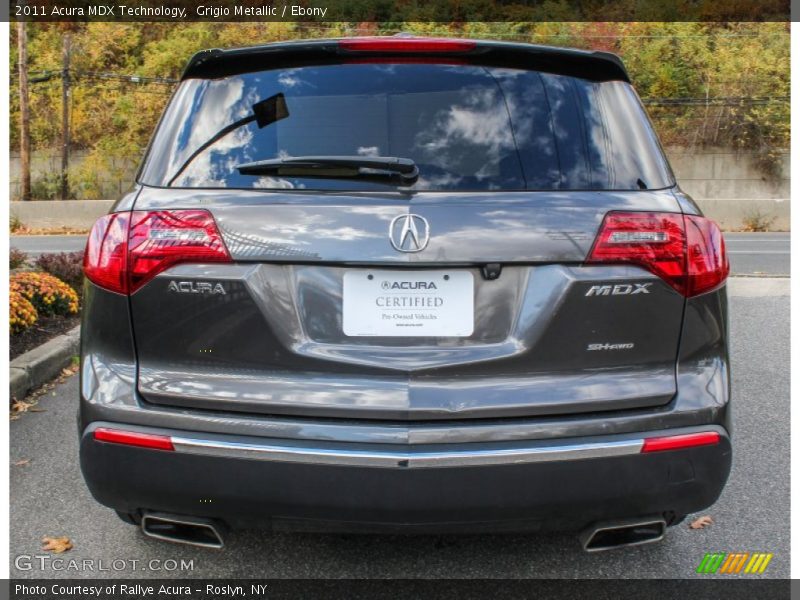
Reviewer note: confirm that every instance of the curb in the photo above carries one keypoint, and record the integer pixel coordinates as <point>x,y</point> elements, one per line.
<point>38,366</point>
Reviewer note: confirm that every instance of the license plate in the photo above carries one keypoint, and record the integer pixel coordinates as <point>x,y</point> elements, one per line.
<point>408,303</point>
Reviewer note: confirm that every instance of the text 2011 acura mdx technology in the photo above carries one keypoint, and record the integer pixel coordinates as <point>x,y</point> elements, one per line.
<point>405,284</point>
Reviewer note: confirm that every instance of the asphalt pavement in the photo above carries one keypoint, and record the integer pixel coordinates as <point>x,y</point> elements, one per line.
<point>758,253</point>
<point>750,253</point>
<point>35,245</point>
<point>48,497</point>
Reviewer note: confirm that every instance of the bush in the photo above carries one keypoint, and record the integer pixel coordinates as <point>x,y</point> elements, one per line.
<point>21,314</point>
<point>16,258</point>
<point>48,294</point>
<point>48,187</point>
<point>15,224</point>
<point>755,220</point>
<point>67,266</point>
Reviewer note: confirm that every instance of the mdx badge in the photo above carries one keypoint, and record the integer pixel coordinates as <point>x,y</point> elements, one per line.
<point>196,287</point>
<point>409,233</point>
<point>620,289</point>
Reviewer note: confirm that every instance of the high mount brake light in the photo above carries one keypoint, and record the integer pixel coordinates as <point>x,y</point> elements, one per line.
<point>410,59</point>
<point>686,251</point>
<point>421,45</point>
<point>126,250</point>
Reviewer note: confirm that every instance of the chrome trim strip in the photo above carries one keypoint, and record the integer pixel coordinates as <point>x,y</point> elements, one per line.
<point>410,459</point>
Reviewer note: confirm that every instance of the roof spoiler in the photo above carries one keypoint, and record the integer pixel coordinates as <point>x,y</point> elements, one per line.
<point>585,64</point>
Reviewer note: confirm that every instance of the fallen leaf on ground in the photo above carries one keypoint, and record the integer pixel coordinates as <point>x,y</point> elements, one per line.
<point>56,545</point>
<point>20,406</point>
<point>22,463</point>
<point>701,522</point>
<point>69,371</point>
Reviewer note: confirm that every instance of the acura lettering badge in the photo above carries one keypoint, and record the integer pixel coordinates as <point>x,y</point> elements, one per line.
<point>409,233</point>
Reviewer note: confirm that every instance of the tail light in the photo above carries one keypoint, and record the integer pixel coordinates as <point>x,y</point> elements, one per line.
<point>106,256</point>
<point>126,250</point>
<point>686,251</point>
<point>400,44</point>
<point>707,260</point>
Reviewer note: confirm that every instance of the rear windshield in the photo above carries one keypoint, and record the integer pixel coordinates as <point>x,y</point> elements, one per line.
<point>467,128</point>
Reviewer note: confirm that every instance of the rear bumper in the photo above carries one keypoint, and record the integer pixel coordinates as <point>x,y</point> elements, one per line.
<point>557,484</point>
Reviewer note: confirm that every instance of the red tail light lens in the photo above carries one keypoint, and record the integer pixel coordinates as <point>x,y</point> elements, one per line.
<point>106,255</point>
<point>705,254</point>
<point>132,438</point>
<point>126,250</point>
<point>161,239</point>
<point>685,251</point>
<point>390,44</point>
<point>676,442</point>
<point>653,240</point>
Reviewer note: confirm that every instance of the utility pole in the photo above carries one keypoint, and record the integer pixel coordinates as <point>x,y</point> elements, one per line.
<point>24,113</point>
<point>65,57</point>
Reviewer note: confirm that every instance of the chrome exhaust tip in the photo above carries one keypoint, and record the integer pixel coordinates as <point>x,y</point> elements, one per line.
<point>619,534</point>
<point>194,531</point>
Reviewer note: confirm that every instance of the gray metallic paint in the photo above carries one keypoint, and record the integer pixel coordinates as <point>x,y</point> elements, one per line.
<point>108,394</point>
<point>350,228</point>
<point>379,382</point>
<point>274,343</point>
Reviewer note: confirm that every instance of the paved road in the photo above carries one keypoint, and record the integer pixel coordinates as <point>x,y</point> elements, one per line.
<point>48,497</point>
<point>35,245</point>
<point>750,253</point>
<point>758,253</point>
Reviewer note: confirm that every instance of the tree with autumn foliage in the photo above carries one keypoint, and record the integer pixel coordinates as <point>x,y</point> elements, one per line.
<point>714,84</point>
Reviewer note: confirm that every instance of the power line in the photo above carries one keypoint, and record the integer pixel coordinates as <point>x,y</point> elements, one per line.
<point>125,78</point>
<point>43,76</point>
<point>522,35</point>
<point>47,76</point>
<point>719,101</point>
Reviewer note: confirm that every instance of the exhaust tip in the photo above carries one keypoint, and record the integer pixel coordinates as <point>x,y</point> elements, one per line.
<point>194,531</point>
<point>619,534</point>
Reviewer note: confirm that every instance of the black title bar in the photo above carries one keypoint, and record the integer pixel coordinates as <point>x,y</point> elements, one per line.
<point>351,589</point>
<point>358,11</point>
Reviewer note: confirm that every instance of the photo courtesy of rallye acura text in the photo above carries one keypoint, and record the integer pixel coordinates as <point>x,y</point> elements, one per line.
<point>405,285</point>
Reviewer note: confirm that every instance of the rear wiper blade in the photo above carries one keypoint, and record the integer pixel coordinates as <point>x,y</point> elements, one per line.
<point>379,168</point>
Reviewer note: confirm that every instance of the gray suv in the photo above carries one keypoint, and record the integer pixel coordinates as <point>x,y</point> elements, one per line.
<point>407,285</point>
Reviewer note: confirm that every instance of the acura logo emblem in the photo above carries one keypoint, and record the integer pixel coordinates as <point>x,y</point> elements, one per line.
<point>409,233</point>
